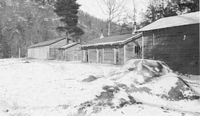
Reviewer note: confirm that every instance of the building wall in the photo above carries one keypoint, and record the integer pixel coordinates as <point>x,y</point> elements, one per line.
<point>108,55</point>
<point>70,54</point>
<point>92,55</point>
<point>111,54</point>
<point>100,59</point>
<point>39,52</point>
<point>54,52</point>
<point>131,53</point>
<point>177,46</point>
<point>46,52</point>
<point>121,55</point>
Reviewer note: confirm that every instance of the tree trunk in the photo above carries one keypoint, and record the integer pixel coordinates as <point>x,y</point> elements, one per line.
<point>109,26</point>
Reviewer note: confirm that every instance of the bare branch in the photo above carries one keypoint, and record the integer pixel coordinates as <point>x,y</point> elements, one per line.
<point>113,9</point>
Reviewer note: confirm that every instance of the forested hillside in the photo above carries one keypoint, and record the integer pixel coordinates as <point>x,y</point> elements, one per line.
<point>23,23</point>
<point>26,22</point>
<point>93,27</point>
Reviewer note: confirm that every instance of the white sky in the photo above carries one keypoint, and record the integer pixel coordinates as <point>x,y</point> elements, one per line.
<point>92,7</point>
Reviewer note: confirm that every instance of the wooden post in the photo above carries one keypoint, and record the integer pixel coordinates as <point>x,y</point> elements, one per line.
<point>84,56</point>
<point>103,55</point>
<point>97,55</point>
<point>115,55</point>
<point>125,46</point>
<point>142,46</point>
<point>88,52</point>
<point>63,54</point>
<point>153,39</point>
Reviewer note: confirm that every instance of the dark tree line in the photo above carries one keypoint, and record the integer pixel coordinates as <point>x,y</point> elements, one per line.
<point>165,8</point>
<point>25,23</point>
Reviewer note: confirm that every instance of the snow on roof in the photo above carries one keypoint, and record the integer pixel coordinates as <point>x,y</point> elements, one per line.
<point>173,21</point>
<point>68,45</point>
<point>118,39</point>
<point>46,43</point>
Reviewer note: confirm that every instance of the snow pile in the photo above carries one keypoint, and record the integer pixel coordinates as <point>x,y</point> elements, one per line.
<point>120,96</point>
<point>143,82</point>
<point>141,71</point>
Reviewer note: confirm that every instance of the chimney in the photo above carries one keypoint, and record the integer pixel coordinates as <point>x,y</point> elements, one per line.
<point>134,18</point>
<point>67,38</point>
<point>101,35</point>
<point>134,28</point>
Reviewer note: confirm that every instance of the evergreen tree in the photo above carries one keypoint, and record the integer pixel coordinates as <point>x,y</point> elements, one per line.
<point>67,10</point>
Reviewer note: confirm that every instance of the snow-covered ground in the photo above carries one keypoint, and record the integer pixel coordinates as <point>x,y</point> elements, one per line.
<point>58,88</point>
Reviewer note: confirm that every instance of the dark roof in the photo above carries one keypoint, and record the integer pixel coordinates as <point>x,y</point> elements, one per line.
<point>180,20</point>
<point>46,43</point>
<point>118,39</point>
<point>69,45</point>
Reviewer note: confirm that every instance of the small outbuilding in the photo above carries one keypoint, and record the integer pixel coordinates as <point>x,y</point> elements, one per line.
<point>113,50</point>
<point>46,49</point>
<point>174,40</point>
<point>70,52</point>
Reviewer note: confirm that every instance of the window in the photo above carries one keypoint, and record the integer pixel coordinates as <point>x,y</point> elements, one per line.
<point>137,49</point>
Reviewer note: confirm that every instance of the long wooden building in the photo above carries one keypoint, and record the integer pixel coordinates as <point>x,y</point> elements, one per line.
<point>174,40</point>
<point>46,49</point>
<point>57,49</point>
<point>113,50</point>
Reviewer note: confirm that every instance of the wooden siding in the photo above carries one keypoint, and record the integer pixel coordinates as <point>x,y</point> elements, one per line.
<point>84,56</point>
<point>92,56</point>
<point>46,52</point>
<point>121,55</point>
<point>100,56</point>
<point>53,53</point>
<point>130,51</point>
<point>70,54</point>
<point>109,55</point>
<point>39,52</point>
<point>177,46</point>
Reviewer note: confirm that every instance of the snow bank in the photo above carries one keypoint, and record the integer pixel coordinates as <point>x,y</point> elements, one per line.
<point>149,82</point>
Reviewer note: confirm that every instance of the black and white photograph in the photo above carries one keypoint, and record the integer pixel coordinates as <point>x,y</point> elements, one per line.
<point>99,58</point>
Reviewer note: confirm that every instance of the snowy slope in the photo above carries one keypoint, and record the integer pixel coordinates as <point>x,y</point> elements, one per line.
<point>56,88</point>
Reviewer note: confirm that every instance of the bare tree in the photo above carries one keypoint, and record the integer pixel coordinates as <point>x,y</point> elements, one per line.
<point>113,9</point>
<point>128,19</point>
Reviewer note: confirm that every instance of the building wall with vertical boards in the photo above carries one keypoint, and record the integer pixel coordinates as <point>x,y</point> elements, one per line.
<point>111,54</point>
<point>39,52</point>
<point>177,46</point>
<point>47,49</point>
<point>72,53</point>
